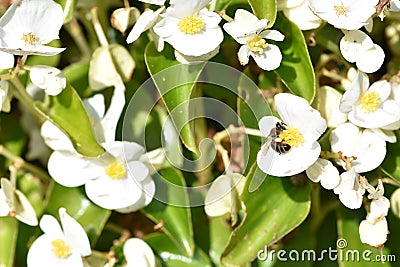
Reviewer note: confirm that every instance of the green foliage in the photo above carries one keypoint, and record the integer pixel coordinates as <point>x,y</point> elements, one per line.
<point>67,111</point>
<point>267,217</point>
<point>167,74</point>
<point>296,70</point>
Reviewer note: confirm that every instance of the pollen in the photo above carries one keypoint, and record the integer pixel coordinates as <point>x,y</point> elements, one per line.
<point>191,25</point>
<point>60,249</point>
<point>29,38</point>
<point>340,10</point>
<point>370,101</point>
<point>257,44</point>
<point>291,136</point>
<point>116,170</point>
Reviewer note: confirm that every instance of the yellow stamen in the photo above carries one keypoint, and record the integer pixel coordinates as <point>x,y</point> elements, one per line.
<point>191,25</point>
<point>340,10</point>
<point>29,38</point>
<point>60,249</point>
<point>257,44</point>
<point>116,170</point>
<point>291,136</point>
<point>370,101</point>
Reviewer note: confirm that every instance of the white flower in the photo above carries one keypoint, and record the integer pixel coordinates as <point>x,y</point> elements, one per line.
<point>30,24</point>
<point>146,20</point>
<point>356,46</point>
<point>344,14</point>
<point>50,79</point>
<point>324,172</point>
<point>138,253</point>
<point>370,107</point>
<point>329,101</point>
<point>293,149</point>
<point>249,31</point>
<point>123,182</point>
<point>223,192</point>
<point>118,180</point>
<point>368,147</point>
<point>14,203</point>
<point>154,2</point>
<point>59,247</point>
<point>349,191</point>
<point>380,205</point>
<point>374,234</point>
<point>302,15</point>
<point>190,28</point>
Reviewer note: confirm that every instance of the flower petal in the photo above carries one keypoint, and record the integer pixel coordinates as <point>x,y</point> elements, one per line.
<point>298,159</point>
<point>74,234</point>
<point>71,170</point>
<point>270,59</point>
<point>374,234</point>
<point>24,209</point>
<point>370,60</point>
<point>297,112</point>
<point>113,193</point>
<point>51,227</point>
<point>266,124</point>
<point>138,253</point>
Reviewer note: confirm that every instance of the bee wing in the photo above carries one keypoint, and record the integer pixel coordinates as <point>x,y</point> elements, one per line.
<point>266,146</point>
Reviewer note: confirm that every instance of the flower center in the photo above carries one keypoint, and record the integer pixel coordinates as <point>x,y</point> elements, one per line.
<point>370,101</point>
<point>116,170</point>
<point>257,44</point>
<point>29,38</point>
<point>291,136</point>
<point>340,10</point>
<point>60,249</point>
<point>191,25</point>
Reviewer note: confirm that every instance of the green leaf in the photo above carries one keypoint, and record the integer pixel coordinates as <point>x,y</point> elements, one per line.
<point>296,70</point>
<point>90,216</point>
<point>220,231</point>
<point>171,256</point>
<point>275,209</point>
<point>68,8</point>
<point>264,9</point>
<point>8,240</point>
<point>252,106</point>
<point>170,207</point>
<point>77,76</point>
<point>349,240</point>
<point>175,82</point>
<point>67,111</point>
<point>391,164</point>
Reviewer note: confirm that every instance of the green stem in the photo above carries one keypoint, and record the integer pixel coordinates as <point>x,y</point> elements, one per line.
<point>329,155</point>
<point>21,94</point>
<point>21,163</point>
<point>75,30</point>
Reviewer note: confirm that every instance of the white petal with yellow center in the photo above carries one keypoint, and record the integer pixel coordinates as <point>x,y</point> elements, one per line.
<point>297,114</point>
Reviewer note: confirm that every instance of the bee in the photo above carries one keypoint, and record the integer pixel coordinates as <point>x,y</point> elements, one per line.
<point>278,144</point>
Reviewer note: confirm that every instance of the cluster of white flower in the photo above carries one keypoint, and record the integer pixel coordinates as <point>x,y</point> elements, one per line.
<point>193,31</point>
<point>292,146</point>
